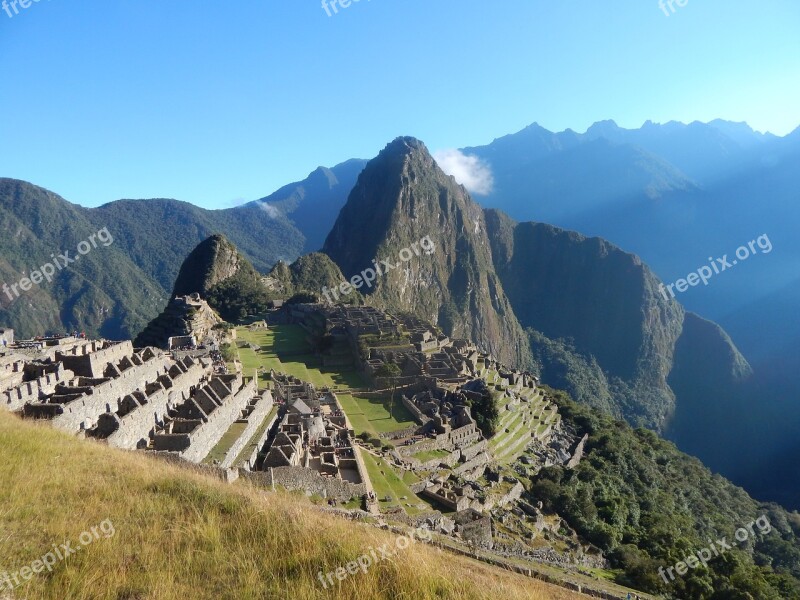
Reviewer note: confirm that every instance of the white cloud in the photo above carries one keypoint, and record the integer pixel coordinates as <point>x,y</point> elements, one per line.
<point>272,212</point>
<point>469,171</point>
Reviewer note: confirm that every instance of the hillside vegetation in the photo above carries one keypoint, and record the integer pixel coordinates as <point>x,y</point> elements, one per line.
<point>179,534</point>
<point>114,290</point>
<point>647,505</point>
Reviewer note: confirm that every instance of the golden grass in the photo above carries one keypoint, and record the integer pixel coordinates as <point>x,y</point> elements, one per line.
<point>182,535</point>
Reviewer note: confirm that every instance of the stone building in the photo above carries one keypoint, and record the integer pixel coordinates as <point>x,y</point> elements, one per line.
<point>311,447</point>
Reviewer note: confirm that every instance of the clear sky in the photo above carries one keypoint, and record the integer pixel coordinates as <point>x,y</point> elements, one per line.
<point>219,102</point>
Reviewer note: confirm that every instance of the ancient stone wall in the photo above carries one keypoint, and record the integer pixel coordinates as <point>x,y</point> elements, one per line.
<point>499,501</point>
<point>419,417</point>
<point>250,462</point>
<point>135,427</point>
<point>82,413</point>
<point>30,391</point>
<point>578,455</point>
<point>254,421</point>
<point>473,451</point>
<point>298,478</point>
<point>208,434</point>
<point>82,361</point>
<point>476,462</point>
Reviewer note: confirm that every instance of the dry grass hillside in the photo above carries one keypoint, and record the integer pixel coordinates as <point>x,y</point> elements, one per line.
<point>178,535</point>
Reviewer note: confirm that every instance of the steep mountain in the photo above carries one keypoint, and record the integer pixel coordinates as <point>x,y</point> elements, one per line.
<point>309,274</point>
<point>227,280</point>
<point>313,204</point>
<point>217,273</point>
<point>674,194</point>
<point>212,262</point>
<point>680,196</point>
<point>402,199</point>
<point>602,328</point>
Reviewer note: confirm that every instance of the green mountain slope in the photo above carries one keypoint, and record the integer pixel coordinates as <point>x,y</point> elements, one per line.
<point>310,274</point>
<point>103,291</point>
<point>114,291</point>
<point>649,506</point>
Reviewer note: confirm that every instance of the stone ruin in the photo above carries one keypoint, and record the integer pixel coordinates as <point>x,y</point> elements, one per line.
<point>129,398</point>
<point>311,445</point>
<point>194,427</point>
<point>184,317</point>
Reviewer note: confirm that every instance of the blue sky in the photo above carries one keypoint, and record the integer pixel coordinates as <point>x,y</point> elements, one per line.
<point>215,103</point>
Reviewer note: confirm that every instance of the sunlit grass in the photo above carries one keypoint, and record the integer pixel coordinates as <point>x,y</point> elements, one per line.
<point>180,534</point>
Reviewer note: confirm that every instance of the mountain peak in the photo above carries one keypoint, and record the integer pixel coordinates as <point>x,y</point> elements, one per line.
<point>404,145</point>
<point>323,176</point>
<point>603,127</point>
<point>215,259</point>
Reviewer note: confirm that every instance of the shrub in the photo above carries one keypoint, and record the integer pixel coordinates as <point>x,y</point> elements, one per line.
<point>227,352</point>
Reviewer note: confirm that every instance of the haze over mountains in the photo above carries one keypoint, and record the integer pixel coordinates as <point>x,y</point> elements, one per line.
<point>585,312</point>
<point>679,195</point>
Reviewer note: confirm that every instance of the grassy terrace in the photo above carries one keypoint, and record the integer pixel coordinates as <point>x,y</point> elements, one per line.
<point>285,349</point>
<point>372,414</point>
<point>513,435</point>
<point>219,451</point>
<point>427,455</point>
<point>386,482</point>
